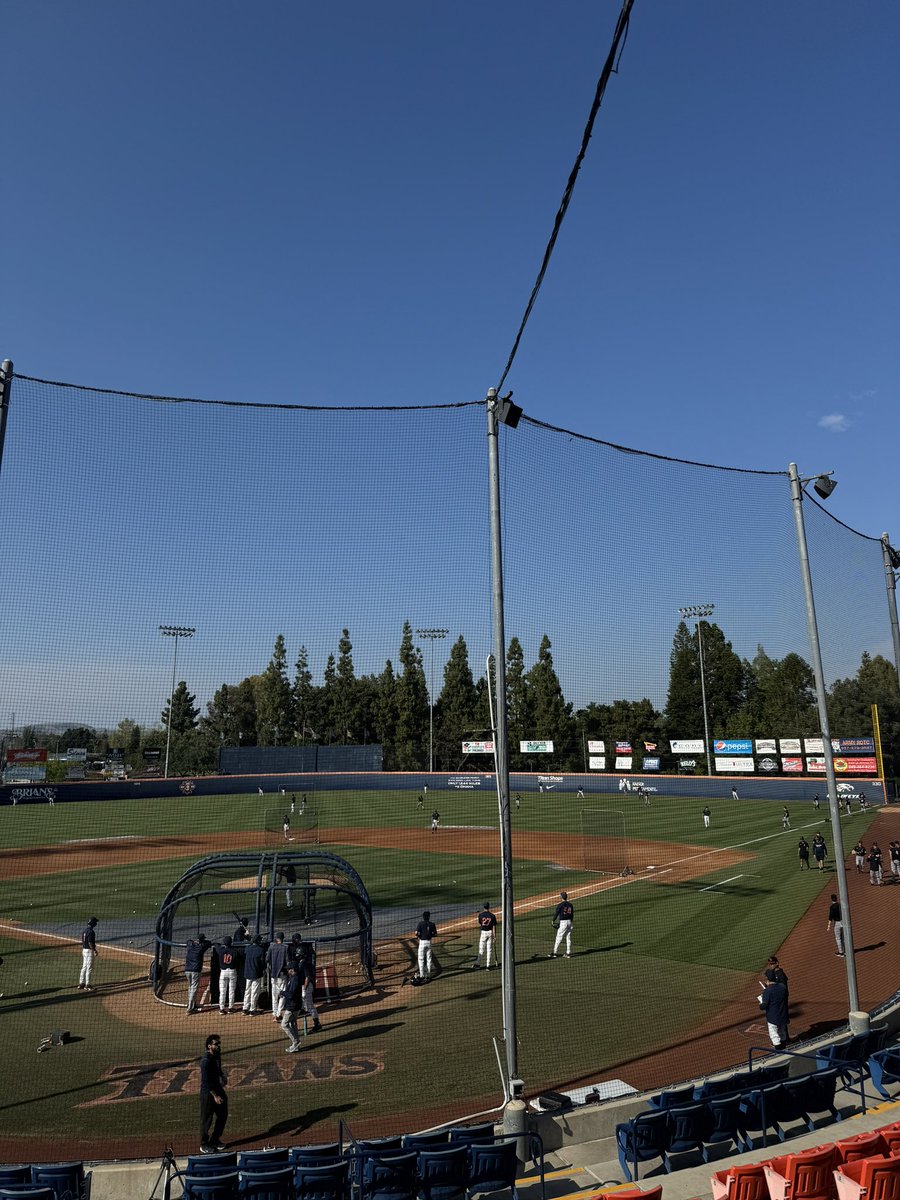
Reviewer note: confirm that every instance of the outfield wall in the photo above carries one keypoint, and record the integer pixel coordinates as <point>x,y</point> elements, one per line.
<point>565,786</point>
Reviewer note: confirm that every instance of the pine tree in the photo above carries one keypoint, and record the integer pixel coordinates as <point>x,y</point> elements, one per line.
<point>519,721</point>
<point>386,716</point>
<point>455,709</point>
<point>345,701</point>
<point>274,700</point>
<point>304,698</point>
<point>411,737</point>
<point>549,713</point>
<point>184,710</point>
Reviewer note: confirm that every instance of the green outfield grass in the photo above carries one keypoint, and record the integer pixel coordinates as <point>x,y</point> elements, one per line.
<point>653,960</point>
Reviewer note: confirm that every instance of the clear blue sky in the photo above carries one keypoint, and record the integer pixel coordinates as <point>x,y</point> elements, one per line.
<point>348,203</point>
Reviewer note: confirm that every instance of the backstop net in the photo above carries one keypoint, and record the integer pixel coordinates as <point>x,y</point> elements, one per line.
<point>316,895</point>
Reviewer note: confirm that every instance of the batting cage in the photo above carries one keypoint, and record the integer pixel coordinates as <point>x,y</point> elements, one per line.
<point>312,895</point>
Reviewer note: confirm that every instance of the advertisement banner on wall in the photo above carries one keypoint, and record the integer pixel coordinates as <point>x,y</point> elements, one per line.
<point>853,745</point>
<point>651,764</point>
<point>597,762</point>
<point>77,754</point>
<point>743,766</point>
<point>768,764</point>
<point>478,747</point>
<point>623,762</point>
<point>596,747</point>
<point>815,765</point>
<point>729,746</point>
<point>765,745</point>
<point>27,773</point>
<point>813,746</point>
<point>536,747</point>
<point>26,756</point>
<point>623,747</point>
<point>789,745</point>
<point>792,766</point>
<point>689,746</point>
<point>686,764</point>
<point>855,766</point>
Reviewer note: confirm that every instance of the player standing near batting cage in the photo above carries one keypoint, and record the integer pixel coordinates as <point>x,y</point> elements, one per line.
<point>88,954</point>
<point>487,924</point>
<point>563,917</point>
<point>426,932</point>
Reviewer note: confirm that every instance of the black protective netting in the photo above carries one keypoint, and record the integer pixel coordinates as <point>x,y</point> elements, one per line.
<point>249,524</point>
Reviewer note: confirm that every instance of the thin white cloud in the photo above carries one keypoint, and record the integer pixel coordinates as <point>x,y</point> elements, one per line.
<point>835,422</point>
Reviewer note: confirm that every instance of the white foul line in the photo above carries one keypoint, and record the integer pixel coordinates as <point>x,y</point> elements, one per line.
<point>721,883</point>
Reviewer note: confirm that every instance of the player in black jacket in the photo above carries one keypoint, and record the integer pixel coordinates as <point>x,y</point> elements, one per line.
<point>213,1097</point>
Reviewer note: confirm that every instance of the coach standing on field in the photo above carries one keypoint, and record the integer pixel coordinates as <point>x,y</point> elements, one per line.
<point>213,1097</point>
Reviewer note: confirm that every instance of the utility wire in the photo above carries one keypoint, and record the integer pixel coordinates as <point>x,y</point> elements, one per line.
<point>611,65</point>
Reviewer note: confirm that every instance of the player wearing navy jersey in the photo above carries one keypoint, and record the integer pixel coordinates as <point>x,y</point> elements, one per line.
<point>426,931</point>
<point>88,954</point>
<point>562,919</point>
<point>435,820</point>
<point>228,959</point>
<point>487,923</point>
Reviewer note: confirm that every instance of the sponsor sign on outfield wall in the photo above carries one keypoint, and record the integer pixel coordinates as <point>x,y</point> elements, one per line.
<point>742,765</point>
<point>765,745</point>
<point>733,746</point>
<point>855,766</point>
<point>536,747</point>
<point>792,766</point>
<point>853,745</point>
<point>691,746</point>
<point>813,746</point>
<point>465,782</point>
<point>26,756</point>
<point>686,764</point>
<point>789,745</point>
<point>596,747</point>
<point>814,764</point>
<point>478,747</point>
<point>623,762</point>
<point>597,762</point>
<point>77,754</point>
<point>651,764</point>
<point>768,764</point>
<point>623,747</point>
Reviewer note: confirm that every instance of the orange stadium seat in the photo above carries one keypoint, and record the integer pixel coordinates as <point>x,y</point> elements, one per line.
<point>869,1179</point>
<point>743,1181</point>
<point>863,1145</point>
<point>805,1176</point>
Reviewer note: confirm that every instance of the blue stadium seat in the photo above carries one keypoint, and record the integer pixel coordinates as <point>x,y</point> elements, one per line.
<point>467,1135</point>
<point>25,1191</point>
<point>263,1160</point>
<point>390,1177</point>
<point>884,1068</point>
<point>426,1141</point>
<point>725,1121</point>
<point>210,1187</point>
<point>493,1168</point>
<point>323,1181</point>
<point>15,1175</point>
<point>688,1127</point>
<point>321,1155</point>
<point>642,1139</point>
<point>275,1184</point>
<point>211,1164</point>
<point>67,1180</point>
<point>443,1174</point>
<point>673,1097</point>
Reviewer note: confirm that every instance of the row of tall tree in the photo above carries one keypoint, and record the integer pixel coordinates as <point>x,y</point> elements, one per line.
<point>762,697</point>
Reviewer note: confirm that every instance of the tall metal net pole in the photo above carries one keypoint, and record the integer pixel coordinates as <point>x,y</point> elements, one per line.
<point>891,563</point>
<point>508,965</point>
<point>822,704</point>
<point>698,611</point>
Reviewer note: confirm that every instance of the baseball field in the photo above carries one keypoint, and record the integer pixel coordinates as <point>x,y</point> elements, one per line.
<point>658,953</point>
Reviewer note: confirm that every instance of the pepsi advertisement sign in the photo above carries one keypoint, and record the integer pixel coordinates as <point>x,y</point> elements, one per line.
<point>733,746</point>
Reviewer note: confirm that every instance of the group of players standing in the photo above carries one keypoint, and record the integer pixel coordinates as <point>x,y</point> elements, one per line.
<point>242,964</point>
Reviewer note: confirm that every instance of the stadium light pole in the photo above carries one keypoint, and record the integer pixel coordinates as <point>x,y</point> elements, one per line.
<point>6,378</point>
<point>176,632</point>
<point>891,566</point>
<point>431,636</point>
<point>698,612</point>
<point>824,485</point>
<point>501,410</point>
